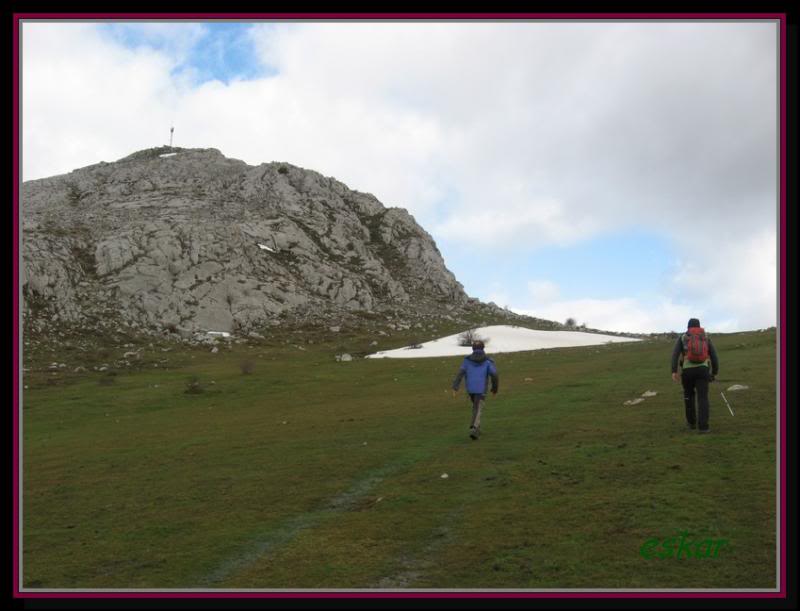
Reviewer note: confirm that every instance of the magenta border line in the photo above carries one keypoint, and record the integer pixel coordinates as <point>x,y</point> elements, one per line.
<point>782,315</point>
<point>781,17</point>
<point>340,594</point>
<point>15,299</point>
<point>393,16</point>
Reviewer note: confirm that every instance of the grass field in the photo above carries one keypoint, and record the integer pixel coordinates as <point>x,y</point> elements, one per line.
<point>311,473</point>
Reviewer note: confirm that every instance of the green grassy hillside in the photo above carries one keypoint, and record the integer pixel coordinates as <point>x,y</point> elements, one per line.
<point>311,473</point>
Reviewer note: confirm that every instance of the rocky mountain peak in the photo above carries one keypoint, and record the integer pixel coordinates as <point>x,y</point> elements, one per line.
<point>190,240</point>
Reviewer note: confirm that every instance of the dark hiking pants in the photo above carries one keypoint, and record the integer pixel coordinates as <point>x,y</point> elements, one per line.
<point>695,381</point>
<point>477,406</point>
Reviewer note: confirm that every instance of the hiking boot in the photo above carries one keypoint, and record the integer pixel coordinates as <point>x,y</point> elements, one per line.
<point>705,430</point>
<point>474,433</point>
<point>692,425</point>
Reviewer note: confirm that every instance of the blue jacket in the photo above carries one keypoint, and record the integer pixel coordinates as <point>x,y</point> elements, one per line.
<point>477,368</point>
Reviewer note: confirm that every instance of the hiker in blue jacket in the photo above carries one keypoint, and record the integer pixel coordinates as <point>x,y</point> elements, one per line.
<point>478,368</point>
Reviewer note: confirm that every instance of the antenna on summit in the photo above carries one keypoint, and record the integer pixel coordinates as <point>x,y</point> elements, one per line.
<point>171,129</point>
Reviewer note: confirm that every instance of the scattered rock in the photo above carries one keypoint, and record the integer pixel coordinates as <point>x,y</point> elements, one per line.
<point>445,476</point>
<point>738,387</point>
<point>633,401</point>
<point>649,393</point>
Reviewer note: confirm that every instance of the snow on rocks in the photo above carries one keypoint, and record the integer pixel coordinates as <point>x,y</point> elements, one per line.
<point>504,338</point>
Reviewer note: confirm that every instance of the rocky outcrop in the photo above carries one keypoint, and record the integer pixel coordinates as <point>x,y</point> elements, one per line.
<point>190,240</point>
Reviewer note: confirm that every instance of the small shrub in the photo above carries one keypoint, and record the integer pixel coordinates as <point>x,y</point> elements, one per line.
<point>193,386</point>
<point>283,170</point>
<point>470,336</point>
<point>570,323</point>
<point>108,379</point>
<point>466,338</point>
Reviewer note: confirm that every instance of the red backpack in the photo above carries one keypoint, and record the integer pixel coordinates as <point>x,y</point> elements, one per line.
<point>695,345</point>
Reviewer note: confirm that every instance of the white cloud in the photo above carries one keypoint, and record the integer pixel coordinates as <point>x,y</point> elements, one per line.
<point>86,100</point>
<point>621,315</point>
<point>528,133</point>
<point>738,277</point>
<point>730,286</point>
<point>543,292</point>
<point>172,38</point>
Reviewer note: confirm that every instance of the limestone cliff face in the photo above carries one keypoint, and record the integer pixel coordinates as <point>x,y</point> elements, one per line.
<point>189,239</point>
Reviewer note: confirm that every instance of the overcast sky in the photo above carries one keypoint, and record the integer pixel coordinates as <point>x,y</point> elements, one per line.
<point>623,174</point>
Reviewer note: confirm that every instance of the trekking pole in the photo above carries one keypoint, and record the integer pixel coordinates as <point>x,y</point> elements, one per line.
<point>726,403</point>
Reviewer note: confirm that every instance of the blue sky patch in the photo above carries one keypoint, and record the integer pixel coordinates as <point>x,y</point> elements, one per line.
<point>612,266</point>
<point>207,51</point>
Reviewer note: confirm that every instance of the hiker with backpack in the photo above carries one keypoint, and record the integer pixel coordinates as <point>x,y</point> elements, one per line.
<point>478,369</point>
<point>695,350</point>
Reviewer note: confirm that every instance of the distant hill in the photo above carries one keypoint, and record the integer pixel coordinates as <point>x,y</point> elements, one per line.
<point>188,240</point>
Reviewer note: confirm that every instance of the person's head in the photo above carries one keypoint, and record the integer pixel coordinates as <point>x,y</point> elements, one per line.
<point>477,345</point>
<point>693,322</point>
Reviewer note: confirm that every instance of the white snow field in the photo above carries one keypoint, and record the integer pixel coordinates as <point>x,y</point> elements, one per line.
<point>503,338</point>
